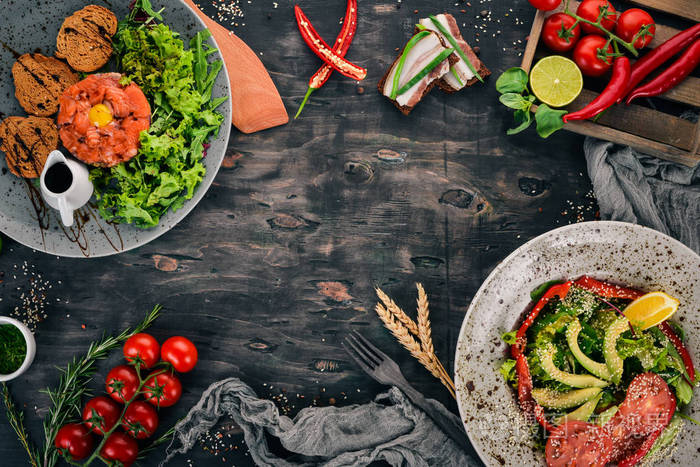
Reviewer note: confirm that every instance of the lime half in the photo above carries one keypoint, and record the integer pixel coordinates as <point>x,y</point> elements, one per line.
<point>556,81</point>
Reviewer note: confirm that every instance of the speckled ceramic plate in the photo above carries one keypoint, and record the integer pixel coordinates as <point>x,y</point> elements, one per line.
<point>32,26</point>
<point>616,251</point>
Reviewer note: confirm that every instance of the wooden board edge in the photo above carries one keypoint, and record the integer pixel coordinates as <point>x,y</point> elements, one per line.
<point>683,8</point>
<point>643,145</point>
<point>532,41</point>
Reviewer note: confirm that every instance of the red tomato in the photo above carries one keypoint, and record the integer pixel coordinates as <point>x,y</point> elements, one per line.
<point>142,348</point>
<point>556,34</point>
<point>578,443</point>
<point>120,447</point>
<point>545,5</point>
<point>591,10</point>
<point>74,439</point>
<point>648,407</point>
<point>162,390</point>
<point>586,55</point>
<point>101,414</point>
<point>180,352</point>
<point>122,383</point>
<point>140,420</point>
<point>630,23</point>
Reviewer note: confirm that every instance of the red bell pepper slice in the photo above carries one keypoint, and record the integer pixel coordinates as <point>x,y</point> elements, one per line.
<point>557,290</point>
<point>682,351</point>
<point>527,403</point>
<point>606,289</point>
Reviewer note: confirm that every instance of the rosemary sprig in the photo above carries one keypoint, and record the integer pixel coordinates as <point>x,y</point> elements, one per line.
<point>16,419</point>
<point>66,398</point>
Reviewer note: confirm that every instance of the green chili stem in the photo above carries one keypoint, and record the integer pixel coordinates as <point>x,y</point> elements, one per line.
<point>303,103</point>
<point>451,39</point>
<point>399,66</point>
<point>428,68</point>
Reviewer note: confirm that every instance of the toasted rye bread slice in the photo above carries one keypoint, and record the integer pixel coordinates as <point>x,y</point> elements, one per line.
<point>40,81</point>
<point>27,142</point>
<point>405,109</point>
<point>85,38</point>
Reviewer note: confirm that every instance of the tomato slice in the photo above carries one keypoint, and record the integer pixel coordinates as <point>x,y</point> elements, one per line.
<point>645,412</point>
<point>577,443</point>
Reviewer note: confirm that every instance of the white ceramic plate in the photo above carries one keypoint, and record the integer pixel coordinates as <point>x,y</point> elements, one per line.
<point>616,251</point>
<point>34,29</point>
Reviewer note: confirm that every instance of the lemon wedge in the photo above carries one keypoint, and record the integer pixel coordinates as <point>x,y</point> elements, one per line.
<point>651,309</point>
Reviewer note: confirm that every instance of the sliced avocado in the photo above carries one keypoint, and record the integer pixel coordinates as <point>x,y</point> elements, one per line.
<point>563,400</point>
<point>583,413</point>
<point>612,358</point>
<point>546,355</point>
<point>605,416</point>
<point>598,369</point>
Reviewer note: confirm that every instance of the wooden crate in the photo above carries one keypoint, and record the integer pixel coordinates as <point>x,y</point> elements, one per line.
<point>647,130</point>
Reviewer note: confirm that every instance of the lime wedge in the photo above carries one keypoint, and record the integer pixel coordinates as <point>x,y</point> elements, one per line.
<point>556,81</point>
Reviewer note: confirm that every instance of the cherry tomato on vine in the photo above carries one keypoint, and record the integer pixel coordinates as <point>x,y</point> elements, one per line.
<point>162,390</point>
<point>587,55</point>
<point>557,34</point>
<point>631,22</point>
<point>74,439</point>
<point>140,420</point>
<point>122,383</point>
<point>120,447</point>
<point>142,348</point>
<point>180,352</point>
<point>101,414</point>
<point>545,5</point>
<point>591,10</point>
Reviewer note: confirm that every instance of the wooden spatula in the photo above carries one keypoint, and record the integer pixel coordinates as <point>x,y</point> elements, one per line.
<point>255,101</point>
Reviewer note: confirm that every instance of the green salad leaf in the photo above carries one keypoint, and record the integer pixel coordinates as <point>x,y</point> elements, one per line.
<point>178,83</point>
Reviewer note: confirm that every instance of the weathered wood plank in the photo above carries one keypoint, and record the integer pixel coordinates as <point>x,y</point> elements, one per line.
<point>687,9</point>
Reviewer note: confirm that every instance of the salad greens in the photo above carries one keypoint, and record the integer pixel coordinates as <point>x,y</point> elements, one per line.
<point>641,351</point>
<point>178,84</point>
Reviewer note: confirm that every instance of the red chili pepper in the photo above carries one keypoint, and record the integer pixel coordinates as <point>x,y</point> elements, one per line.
<point>615,89</point>
<point>651,61</point>
<point>671,76</point>
<point>341,46</point>
<point>682,351</point>
<point>557,290</point>
<point>527,403</point>
<point>324,52</point>
<point>642,451</point>
<point>606,289</point>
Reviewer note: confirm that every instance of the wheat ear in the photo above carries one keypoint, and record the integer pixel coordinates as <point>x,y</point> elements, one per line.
<point>397,312</point>
<point>401,334</point>
<point>425,332</point>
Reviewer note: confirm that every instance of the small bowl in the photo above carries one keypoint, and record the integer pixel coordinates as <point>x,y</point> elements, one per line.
<point>31,347</point>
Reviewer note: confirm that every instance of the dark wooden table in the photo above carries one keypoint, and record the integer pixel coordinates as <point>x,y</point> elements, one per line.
<point>279,261</point>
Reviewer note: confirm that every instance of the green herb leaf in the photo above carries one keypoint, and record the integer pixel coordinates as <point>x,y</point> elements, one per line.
<point>507,369</point>
<point>512,80</point>
<point>514,101</point>
<point>538,291</point>
<point>548,120</point>
<point>523,118</point>
<point>509,337</point>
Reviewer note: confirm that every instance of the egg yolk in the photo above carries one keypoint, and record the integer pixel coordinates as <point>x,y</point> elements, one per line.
<point>100,115</point>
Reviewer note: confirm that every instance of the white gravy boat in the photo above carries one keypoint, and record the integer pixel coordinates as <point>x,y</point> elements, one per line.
<point>65,185</point>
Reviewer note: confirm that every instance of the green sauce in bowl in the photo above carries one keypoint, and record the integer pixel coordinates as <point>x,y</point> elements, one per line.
<point>13,349</point>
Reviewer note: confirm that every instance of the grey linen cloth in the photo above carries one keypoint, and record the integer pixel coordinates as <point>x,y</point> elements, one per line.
<point>643,189</point>
<point>390,428</point>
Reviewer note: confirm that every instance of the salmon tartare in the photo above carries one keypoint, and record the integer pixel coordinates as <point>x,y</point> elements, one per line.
<point>100,120</point>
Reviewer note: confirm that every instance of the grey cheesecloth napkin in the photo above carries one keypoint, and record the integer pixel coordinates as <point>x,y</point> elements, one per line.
<point>643,189</point>
<point>390,428</point>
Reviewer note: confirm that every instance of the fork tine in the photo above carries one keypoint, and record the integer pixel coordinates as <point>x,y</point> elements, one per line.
<point>357,359</point>
<point>363,352</point>
<point>367,344</point>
